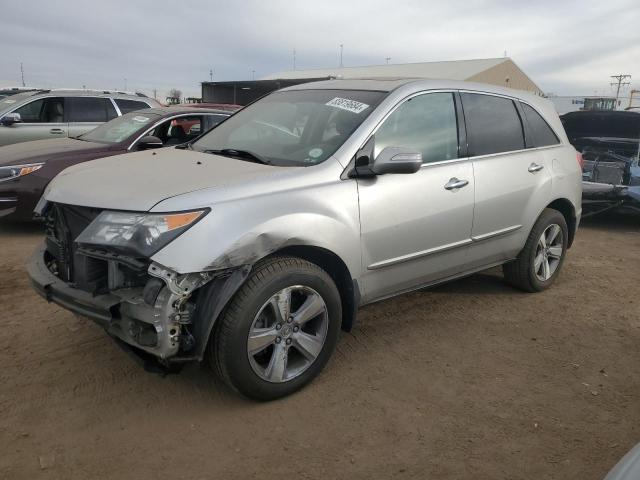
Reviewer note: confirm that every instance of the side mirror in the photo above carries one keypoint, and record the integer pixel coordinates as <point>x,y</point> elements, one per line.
<point>397,160</point>
<point>149,142</point>
<point>10,118</point>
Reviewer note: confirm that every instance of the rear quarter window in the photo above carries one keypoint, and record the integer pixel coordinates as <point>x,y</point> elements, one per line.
<point>543,135</point>
<point>493,124</point>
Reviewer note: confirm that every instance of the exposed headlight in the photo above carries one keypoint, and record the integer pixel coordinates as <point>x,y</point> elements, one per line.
<point>137,234</point>
<point>17,171</point>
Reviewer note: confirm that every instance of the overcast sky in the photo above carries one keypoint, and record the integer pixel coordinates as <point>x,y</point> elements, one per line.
<point>566,47</point>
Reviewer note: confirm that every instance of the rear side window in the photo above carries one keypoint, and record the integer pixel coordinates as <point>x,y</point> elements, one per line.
<point>493,124</point>
<point>88,109</point>
<point>426,123</point>
<point>127,106</point>
<point>542,134</point>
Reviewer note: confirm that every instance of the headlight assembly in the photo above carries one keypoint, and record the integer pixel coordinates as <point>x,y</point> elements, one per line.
<point>17,171</point>
<point>137,234</point>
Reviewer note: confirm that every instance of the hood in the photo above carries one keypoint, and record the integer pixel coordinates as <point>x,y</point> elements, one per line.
<point>603,124</point>
<point>46,150</point>
<point>138,181</point>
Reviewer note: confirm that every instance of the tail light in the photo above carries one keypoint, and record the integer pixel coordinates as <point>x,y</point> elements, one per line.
<point>580,160</point>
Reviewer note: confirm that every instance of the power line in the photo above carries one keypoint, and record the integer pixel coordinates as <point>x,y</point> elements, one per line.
<point>620,81</point>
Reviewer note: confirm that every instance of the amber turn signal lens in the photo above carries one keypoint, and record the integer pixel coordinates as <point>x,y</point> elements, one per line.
<point>179,220</point>
<point>28,170</point>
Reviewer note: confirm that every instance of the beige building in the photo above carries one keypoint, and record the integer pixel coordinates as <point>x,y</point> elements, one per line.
<point>495,71</point>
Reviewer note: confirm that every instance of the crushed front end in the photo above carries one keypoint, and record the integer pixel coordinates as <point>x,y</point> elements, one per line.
<point>609,142</point>
<point>142,303</point>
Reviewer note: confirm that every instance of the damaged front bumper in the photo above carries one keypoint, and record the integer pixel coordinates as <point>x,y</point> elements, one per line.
<point>600,197</point>
<point>157,319</point>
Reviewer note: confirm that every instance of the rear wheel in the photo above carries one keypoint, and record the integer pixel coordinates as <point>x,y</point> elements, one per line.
<point>541,259</point>
<point>279,330</point>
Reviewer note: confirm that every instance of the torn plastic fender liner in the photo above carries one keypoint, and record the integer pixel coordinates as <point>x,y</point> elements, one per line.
<point>212,299</point>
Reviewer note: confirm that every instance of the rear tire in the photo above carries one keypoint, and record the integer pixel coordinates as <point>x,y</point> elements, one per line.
<point>540,261</point>
<point>263,348</point>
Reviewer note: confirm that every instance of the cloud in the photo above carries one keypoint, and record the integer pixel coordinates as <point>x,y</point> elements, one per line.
<point>566,47</point>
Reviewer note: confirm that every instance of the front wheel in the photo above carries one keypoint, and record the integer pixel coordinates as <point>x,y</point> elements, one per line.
<point>539,263</point>
<point>279,330</point>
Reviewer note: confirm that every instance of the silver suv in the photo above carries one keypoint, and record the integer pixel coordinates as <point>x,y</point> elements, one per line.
<point>253,245</point>
<point>44,114</point>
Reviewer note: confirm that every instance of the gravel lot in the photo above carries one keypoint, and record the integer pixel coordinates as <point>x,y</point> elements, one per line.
<point>468,380</point>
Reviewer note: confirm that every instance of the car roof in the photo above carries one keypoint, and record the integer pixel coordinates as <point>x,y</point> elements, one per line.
<point>176,110</point>
<point>392,83</point>
<point>69,92</point>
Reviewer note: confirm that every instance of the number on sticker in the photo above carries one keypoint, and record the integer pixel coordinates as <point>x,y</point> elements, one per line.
<point>348,105</point>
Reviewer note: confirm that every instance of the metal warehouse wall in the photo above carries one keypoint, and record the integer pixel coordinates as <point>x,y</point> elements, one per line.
<point>497,76</point>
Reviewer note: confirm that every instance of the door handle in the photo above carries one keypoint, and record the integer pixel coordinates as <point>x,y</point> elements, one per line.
<point>56,131</point>
<point>455,183</point>
<point>534,167</point>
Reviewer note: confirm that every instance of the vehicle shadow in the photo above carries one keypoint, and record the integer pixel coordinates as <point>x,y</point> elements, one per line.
<point>9,229</point>
<point>613,220</point>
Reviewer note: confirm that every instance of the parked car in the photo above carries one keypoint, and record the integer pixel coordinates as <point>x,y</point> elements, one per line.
<point>253,245</point>
<point>27,168</point>
<point>230,107</point>
<point>62,113</point>
<point>610,146</point>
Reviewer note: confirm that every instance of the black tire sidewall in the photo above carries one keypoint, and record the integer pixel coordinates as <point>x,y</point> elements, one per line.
<point>239,370</point>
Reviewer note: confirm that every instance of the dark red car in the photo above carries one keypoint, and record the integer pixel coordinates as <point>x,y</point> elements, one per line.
<point>27,168</point>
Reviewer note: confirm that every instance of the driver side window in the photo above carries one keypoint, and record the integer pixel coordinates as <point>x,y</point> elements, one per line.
<point>425,123</point>
<point>43,110</point>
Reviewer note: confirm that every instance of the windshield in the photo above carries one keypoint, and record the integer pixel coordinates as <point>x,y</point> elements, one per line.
<point>12,100</point>
<point>293,128</point>
<point>120,128</point>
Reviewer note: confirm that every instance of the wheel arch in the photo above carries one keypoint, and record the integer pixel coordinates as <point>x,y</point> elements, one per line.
<point>565,207</point>
<point>339,273</point>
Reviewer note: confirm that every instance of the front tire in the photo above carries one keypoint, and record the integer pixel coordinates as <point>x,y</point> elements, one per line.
<point>278,331</point>
<point>540,261</point>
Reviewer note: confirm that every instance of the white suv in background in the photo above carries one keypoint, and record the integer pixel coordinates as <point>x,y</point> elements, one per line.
<point>42,114</point>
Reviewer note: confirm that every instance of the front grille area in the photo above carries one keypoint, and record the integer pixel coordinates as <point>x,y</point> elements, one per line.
<point>90,270</point>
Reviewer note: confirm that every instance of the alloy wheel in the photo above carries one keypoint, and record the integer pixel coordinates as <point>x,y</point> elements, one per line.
<point>287,334</point>
<point>549,251</point>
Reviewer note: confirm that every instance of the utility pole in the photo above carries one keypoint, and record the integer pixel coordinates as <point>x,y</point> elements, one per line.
<point>22,74</point>
<point>155,93</point>
<point>619,82</point>
<point>253,74</point>
<point>341,49</point>
<point>211,75</point>
<point>387,60</point>
<point>294,58</point>
<point>125,84</point>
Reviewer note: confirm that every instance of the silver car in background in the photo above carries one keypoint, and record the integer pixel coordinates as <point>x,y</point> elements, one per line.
<point>253,245</point>
<point>43,114</point>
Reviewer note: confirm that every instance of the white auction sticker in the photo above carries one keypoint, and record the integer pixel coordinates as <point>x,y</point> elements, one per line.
<point>140,119</point>
<point>348,105</point>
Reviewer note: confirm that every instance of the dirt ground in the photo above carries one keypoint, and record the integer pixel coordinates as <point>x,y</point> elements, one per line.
<point>471,380</point>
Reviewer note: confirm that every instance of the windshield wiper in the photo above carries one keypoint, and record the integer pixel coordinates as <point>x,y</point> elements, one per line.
<point>242,154</point>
